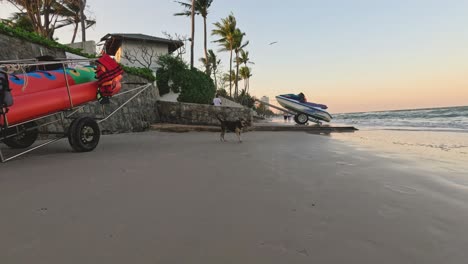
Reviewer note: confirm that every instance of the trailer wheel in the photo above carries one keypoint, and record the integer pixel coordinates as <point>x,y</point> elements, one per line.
<point>24,138</point>
<point>84,134</point>
<point>301,119</point>
<point>295,119</point>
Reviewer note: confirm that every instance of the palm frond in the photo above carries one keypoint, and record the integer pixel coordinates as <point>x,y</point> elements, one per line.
<point>187,13</point>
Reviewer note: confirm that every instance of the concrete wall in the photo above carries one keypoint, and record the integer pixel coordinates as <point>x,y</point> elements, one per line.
<point>89,46</point>
<point>170,97</point>
<point>17,49</point>
<point>229,103</point>
<point>143,51</point>
<point>198,114</point>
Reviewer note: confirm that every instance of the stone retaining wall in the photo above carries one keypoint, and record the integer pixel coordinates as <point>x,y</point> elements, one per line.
<point>135,116</point>
<point>16,49</point>
<point>199,114</point>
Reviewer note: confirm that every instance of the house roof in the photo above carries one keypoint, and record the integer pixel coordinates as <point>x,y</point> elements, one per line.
<point>173,44</point>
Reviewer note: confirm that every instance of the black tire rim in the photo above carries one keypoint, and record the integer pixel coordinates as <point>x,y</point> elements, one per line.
<point>87,134</point>
<point>302,118</point>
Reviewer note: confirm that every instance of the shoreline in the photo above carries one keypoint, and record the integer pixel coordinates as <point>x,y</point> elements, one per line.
<point>432,149</point>
<point>435,148</point>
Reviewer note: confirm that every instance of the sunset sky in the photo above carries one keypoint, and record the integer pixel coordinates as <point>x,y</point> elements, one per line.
<point>353,55</point>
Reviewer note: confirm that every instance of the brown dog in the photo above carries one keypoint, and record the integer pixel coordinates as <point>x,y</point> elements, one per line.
<point>233,126</point>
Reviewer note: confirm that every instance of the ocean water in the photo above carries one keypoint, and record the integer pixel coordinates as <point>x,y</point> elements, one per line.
<point>445,119</point>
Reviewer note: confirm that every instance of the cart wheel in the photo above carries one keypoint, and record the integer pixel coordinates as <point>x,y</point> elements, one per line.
<point>24,138</point>
<point>84,134</point>
<point>301,119</point>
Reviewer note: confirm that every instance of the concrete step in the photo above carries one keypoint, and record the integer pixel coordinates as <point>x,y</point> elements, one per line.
<point>179,128</point>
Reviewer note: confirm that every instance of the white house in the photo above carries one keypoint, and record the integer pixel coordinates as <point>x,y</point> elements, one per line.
<point>138,50</point>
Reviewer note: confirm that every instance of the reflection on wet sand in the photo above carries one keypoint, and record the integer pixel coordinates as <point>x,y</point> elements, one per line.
<point>443,150</point>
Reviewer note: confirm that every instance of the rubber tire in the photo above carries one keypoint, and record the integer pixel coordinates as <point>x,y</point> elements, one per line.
<point>24,139</point>
<point>304,118</point>
<point>77,134</point>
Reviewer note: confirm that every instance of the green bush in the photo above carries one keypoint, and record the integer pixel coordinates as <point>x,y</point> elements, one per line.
<point>35,38</point>
<point>171,70</point>
<point>142,72</point>
<point>194,85</point>
<point>197,87</point>
<point>246,99</point>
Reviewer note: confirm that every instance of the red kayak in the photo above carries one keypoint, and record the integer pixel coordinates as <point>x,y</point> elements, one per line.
<point>40,93</point>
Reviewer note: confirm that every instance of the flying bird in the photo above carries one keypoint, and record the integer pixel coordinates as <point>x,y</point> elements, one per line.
<point>274,42</point>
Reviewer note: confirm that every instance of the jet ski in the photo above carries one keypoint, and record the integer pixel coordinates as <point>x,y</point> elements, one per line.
<point>305,110</point>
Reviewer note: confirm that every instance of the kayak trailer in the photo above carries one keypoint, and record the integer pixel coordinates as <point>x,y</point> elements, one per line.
<point>81,129</point>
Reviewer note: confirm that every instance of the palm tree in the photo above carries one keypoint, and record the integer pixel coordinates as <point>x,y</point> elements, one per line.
<point>244,58</point>
<point>226,30</point>
<point>73,13</point>
<point>206,64</point>
<point>45,15</point>
<point>201,8</point>
<point>238,46</point>
<point>192,44</point>
<point>229,78</point>
<point>245,74</point>
<point>212,65</point>
<point>215,62</point>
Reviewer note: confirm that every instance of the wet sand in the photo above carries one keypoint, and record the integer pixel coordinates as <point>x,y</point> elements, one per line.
<point>440,150</point>
<point>187,198</point>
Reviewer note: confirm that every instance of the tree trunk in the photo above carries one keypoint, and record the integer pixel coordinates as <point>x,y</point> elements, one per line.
<point>193,34</point>
<point>237,74</point>
<point>230,74</point>
<point>83,23</point>
<point>35,16</point>
<point>75,30</point>
<point>47,21</point>
<point>216,82</point>
<point>206,45</point>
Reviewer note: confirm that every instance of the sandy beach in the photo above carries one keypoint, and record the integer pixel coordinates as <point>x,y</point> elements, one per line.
<point>279,197</point>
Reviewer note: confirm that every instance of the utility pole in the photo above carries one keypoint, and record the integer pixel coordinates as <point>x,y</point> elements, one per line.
<point>193,34</point>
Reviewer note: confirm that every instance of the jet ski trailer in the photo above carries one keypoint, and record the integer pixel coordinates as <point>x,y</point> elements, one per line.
<point>32,100</point>
<point>303,112</point>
